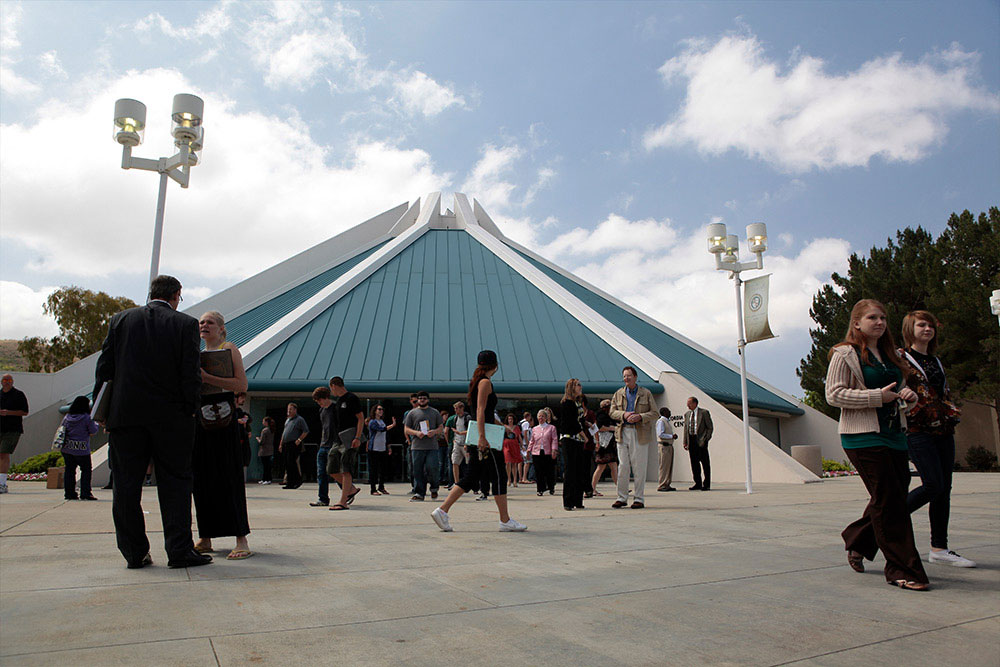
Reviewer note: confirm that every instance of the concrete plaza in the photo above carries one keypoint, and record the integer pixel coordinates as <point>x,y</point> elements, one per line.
<point>695,578</point>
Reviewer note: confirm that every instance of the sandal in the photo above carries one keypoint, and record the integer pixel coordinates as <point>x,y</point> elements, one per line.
<point>376,493</point>
<point>598,494</point>
<point>203,550</point>
<point>856,561</point>
<point>350,497</point>
<point>338,507</point>
<point>239,554</point>
<point>909,585</point>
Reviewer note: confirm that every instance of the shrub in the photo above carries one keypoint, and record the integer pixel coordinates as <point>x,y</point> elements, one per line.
<point>829,465</point>
<point>980,458</point>
<point>39,463</point>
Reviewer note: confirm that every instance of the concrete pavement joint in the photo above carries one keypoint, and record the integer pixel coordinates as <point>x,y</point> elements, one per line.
<point>886,640</point>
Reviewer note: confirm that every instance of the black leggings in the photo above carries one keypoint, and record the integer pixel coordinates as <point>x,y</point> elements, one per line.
<point>377,462</point>
<point>489,473</point>
<point>74,461</point>
<point>265,463</point>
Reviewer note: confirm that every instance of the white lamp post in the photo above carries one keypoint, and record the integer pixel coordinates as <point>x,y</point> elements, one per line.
<point>726,248</point>
<point>189,136</point>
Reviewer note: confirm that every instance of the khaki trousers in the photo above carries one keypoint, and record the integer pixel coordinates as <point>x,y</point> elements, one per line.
<point>666,465</point>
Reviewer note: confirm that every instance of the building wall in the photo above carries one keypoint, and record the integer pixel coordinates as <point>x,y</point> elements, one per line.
<point>769,463</point>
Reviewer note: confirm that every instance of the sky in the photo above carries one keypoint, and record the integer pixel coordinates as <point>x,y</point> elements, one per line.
<point>605,136</point>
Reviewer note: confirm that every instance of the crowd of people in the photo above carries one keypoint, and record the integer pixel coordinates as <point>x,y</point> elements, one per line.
<point>895,409</point>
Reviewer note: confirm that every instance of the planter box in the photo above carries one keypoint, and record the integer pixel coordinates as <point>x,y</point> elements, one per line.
<point>54,480</point>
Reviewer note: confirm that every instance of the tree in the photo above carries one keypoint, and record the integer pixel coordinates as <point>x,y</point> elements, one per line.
<point>83,317</point>
<point>952,277</point>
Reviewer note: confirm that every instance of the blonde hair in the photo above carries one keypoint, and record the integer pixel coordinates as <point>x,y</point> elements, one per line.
<point>568,392</point>
<point>217,317</point>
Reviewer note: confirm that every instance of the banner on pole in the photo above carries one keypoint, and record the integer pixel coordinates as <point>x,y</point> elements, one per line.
<point>755,308</point>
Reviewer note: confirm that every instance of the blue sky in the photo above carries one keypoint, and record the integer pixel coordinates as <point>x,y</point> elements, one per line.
<point>604,135</point>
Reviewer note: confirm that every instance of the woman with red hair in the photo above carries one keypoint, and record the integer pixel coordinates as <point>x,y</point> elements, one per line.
<point>866,380</point>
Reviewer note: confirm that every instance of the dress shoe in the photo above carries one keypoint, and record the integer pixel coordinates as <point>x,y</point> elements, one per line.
<point>191,559</point>
<point>666,488</point>
<point>146,560</point>
<point>618,504</point>
<point>696,487</point>
<point>704,488</point>
<point>637,505</point>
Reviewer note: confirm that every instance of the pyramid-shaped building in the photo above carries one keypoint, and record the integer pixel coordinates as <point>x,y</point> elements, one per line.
<point>405,301</point>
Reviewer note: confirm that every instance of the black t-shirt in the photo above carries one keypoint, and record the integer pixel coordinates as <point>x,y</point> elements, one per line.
<point>935,378</point>
<point>348,407</point>
<point>328,420</point>
<point>12,400</point>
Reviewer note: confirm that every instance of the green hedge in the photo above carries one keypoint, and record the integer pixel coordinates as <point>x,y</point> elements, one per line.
<point>39,463</point>
<point>829,465</point>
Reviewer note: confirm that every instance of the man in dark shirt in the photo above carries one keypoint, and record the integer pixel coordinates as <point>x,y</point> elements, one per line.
<point>351,422</point>
<point>327,440</point>
<point>292,435</point>
<point>13,406</point>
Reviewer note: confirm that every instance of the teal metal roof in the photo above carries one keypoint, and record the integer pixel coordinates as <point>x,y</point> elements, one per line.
<point>420,319</point>
<point>715,379</point>
<point>242,329</point>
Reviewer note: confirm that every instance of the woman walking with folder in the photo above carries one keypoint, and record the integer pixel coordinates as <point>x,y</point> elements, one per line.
<point>220,497</point>
<point>483,401</point>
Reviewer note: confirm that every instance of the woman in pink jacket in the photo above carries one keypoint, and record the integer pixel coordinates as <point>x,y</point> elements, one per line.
<point>544,449</point>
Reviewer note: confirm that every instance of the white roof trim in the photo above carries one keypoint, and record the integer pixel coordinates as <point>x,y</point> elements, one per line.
<point>269,339</point>
<point>648,320</point>
<point>638,354</point>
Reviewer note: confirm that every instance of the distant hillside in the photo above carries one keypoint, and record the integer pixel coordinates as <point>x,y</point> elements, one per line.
<point>10,358</point>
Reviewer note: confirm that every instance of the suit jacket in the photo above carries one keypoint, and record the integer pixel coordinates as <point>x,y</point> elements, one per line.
<point>704,427</point>
<point>152,355</point>
<point>645,406</point>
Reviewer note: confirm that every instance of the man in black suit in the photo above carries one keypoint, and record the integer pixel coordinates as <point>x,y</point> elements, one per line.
<point>151,356</point>
<point>697,432</point>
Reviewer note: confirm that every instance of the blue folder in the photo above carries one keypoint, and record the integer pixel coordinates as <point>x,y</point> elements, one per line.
<point>494,435</point>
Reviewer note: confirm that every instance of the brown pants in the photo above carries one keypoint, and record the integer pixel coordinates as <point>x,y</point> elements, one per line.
<point>885,523</point>
<point>666,465</point>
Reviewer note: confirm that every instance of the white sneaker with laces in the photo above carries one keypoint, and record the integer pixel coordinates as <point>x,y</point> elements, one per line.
<point>441,519</point>
<point>949,557</point>
<point>512,526</point>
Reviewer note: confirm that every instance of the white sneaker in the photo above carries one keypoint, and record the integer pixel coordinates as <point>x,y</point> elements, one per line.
<point>949,558</point>
<point>512,526</point>
<point>441,519</point>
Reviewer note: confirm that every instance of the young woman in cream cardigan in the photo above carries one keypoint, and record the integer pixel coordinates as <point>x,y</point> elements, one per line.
<point>866,380</point>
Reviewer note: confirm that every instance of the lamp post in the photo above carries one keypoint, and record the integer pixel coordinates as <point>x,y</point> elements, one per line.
<point>726,248</point>
<point>189,136</point>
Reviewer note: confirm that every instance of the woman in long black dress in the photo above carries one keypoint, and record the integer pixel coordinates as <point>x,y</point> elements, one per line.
<point>220,497</point>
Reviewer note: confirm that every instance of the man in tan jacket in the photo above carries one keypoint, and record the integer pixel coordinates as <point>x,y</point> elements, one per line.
<point>633,408</point>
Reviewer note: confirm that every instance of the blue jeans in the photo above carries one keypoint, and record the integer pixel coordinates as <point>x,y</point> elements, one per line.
<point>321,476</point>
<point>425,467</point>
<point>934,458</point>
<point>444,454</point>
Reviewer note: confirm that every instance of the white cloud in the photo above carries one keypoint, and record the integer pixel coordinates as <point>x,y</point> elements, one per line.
<point>12,83</point>
<point>265,188</point>
<point>418,93</point>
<point>805,117</point>
<point>21,311</point>
<point>49,62</point>
<point>491,182</point>
<point>650,265</point>
<point>296,44</point>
